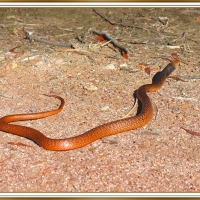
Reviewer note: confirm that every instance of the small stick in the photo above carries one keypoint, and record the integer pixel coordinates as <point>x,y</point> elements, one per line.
<point>114,23</point>
<point>106,43</point>
<point>106,36</point>
<point>177,78</point>
<point>190,77</point>
<point>30,37</point>
<point>191,132</point>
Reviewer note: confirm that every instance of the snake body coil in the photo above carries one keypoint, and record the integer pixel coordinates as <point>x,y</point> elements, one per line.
<point>88,137</point>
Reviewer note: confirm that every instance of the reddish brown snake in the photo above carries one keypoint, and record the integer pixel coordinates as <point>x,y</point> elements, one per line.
<point>88,137</point>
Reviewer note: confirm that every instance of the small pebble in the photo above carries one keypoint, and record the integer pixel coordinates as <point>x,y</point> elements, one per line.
<point>123,65</point>
<point>110,66</point>
<point>91,87</point>
<point>104,108</point>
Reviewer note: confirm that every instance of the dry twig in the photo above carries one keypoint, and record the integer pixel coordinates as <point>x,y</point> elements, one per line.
<point>191,132</point>
<point>107,37</point>
<point>114,23</point>
<point>30,37</point>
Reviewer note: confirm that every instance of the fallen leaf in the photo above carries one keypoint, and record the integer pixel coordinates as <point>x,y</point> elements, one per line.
<point>15,30</point>
<point>147,70</point>
<point>141,66</point>
<point>174,55</point>
<point>13,50</point>
<point>184,105</point>
<point>91,149</point>
<point>111,26</point>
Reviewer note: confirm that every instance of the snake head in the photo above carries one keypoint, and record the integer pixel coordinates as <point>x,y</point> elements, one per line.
<point>175,63</point>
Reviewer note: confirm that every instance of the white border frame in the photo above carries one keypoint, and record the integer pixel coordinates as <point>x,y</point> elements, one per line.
<point>99,4</point>
<point>99,195</point>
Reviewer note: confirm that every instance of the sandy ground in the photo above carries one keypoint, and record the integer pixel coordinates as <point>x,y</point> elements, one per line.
<point>98,84</point>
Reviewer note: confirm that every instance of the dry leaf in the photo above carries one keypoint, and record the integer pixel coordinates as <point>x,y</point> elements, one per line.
<point>141,66</point>
<point>184,105</point>
<point>15,30</point>
<point>147,70</point>
<point>111,26</point>
<point>174,55</point>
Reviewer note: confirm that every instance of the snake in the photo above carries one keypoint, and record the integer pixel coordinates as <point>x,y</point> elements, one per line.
<point>104,130</point>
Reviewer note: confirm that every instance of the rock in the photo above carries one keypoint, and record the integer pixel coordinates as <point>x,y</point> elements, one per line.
<point>110,66</point>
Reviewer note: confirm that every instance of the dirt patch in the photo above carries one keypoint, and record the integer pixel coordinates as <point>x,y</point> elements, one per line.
<point>97,83</point>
